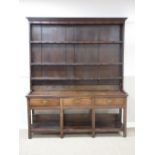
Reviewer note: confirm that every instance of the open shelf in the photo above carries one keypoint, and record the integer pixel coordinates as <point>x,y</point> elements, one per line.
<point>55,78</point>
<point>74,64</point>
<point>46,123</point>
<point>49,123</point>
<point>45,128</point>
<point>78,123</point>
<point>107,122</point>
<point>77,129</point>
<point>77,42</point>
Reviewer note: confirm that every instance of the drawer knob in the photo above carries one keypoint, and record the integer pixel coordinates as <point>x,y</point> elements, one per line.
<point>45,102</point>
<point>109,100</point>
<point>76,101</point>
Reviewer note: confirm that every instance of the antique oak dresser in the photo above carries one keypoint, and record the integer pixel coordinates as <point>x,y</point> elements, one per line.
<point>76,76</point>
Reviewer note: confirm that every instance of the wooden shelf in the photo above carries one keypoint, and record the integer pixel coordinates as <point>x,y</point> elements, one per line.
<point>77,42</point>
<point>56,78</point>
<point>77,129</point>
<point>45,128</point>
<point>108,126</point>
<point>104,123</point>
<point>75,64</point>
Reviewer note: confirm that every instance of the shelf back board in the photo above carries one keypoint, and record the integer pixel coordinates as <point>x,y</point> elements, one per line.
<point>76,53</point>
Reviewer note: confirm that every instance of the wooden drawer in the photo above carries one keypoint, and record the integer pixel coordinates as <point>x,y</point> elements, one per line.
<point>109,101</point>
<point>77,101</point>
<point>44,102</point>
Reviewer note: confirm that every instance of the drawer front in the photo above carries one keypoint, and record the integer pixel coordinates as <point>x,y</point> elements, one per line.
<point>44,102</point>
<point>77,101</point>
<point>110,101</point>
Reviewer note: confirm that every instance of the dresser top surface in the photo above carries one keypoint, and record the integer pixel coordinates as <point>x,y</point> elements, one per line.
<point>77,93</point>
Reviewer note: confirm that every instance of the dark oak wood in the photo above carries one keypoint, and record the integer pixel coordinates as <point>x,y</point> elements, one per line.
<point>61,119</point>
<point>76,64</point>
<point>42,20</point>
<point>29,119</point>
<point>77,42</point>
<point>93,117</point>
<point>124,121</point>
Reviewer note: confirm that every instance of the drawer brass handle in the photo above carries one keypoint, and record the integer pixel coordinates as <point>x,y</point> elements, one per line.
<point>77,101</point>
<point>45,102</point>
<point>109,101</point>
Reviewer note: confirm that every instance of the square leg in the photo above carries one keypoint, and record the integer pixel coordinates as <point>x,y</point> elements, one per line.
<point>29,120</point>
<point>61,120</point>
<point>93,124</point>
<point>124,121</point>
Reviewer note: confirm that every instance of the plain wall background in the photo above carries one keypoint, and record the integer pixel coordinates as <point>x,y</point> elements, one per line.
<point>68,8</point>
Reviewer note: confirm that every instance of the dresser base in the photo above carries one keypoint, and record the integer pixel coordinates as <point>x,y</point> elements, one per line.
<point>103,113</point>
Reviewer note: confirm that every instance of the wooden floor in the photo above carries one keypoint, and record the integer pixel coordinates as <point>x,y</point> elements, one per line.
<point>109,144</point>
